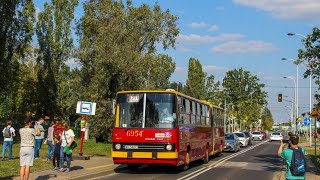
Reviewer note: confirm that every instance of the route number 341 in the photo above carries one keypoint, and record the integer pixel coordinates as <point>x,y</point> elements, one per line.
<point>135,133</point>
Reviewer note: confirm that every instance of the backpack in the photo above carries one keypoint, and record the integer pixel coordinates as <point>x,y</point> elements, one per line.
<point>7,133</point>
<point>298,163</point>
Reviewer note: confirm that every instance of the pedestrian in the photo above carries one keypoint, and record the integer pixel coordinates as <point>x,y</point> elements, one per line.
<point>315,135</point>
<point>39,139</point>
<point>56,154</point>
<point>67,138</point>
<point>293,153</point>
<point>27,136</point>
<point>8,134</point>
<point>50,138</point>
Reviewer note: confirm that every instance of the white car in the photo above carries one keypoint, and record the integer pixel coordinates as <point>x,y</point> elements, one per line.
<point>276,136</point>
<point>243,138</point>
<point>257,135</point>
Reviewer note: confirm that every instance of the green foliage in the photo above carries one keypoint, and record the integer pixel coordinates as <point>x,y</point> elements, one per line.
<point>244,91</point>
<point>55,45</point>
<point>266,119</point>
<point>16,30</point>
<point>310,55</point>
<point>117,51</point>
<point>196,79</point>
<point>212,91</point>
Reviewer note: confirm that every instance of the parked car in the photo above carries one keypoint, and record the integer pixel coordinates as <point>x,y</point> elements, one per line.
<point>244,140</point>
<point>263,134</point>
<point>257,135</point>
<point>247,133</point>
<point>232,143</point>
<point>276,136</point>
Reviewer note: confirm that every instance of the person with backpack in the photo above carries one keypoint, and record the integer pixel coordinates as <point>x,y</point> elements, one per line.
<point>294,157</point>
<point>8,134</point>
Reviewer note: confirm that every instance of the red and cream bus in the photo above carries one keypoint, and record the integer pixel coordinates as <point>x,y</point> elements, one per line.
<point>165,127</point>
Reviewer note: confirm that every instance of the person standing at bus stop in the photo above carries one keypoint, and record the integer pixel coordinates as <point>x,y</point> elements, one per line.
<point>50,138</point>
<point>39,139</point>
<point>27,136</point>
<point>8,134</point>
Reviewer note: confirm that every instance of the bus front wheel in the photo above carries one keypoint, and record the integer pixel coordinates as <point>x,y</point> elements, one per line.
<point>185,166</point>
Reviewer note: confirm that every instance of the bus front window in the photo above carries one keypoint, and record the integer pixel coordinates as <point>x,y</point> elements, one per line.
<point>159,111</point>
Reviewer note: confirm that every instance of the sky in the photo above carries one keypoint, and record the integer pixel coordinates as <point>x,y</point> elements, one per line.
<point>250,34</point>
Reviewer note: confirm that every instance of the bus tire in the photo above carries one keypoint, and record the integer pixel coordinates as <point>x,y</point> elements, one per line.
<point>185,166</point>
<point>206,156</point>
<point>132,167</point>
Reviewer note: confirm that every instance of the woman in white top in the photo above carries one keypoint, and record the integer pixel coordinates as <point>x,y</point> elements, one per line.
<point>27,135</point>
<point>67,138</point>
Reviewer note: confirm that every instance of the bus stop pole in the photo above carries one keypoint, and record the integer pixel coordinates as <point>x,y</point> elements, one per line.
<point>82,136</point>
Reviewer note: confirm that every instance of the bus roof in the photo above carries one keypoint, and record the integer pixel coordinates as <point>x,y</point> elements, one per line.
<point>171,91</point>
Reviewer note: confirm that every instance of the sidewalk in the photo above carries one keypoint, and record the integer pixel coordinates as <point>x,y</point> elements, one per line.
<point>79,168</point>
<point>313,172</point>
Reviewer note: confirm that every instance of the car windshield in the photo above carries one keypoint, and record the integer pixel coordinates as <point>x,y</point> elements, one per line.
<point>256,133</point>
<point>229,136</point>
<point>276,133</point>
<point>159,110</point>
<point>239,134</point>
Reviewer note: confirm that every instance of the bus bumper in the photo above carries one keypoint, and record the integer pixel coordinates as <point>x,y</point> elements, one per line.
<point>123,157</point>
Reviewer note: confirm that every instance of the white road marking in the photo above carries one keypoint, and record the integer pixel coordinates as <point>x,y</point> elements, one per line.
<point>217,163</point>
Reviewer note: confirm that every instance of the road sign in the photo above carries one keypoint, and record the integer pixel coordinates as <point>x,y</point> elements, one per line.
<point>299,120</point>
<point>306,121</point>
<point>88,108</point>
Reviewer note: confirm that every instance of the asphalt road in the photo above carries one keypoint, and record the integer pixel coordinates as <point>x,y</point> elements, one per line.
<point>258,161</point>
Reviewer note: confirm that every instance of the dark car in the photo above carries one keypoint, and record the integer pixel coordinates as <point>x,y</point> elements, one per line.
<point>250,137</point>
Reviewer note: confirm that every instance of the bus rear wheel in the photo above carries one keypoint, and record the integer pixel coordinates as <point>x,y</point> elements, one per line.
<point>132,167</point>
<point>206,157</point>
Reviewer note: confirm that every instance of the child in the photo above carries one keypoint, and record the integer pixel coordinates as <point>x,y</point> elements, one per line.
<point>56,154</point>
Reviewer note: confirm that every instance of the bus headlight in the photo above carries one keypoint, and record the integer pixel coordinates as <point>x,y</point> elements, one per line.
<point>168,147</point>
<point>118,146</point>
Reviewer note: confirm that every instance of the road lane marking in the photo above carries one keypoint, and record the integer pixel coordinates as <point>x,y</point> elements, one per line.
<point>98,167</point>
<point>217,163</point>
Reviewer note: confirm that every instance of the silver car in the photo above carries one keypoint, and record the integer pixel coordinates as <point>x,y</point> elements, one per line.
<point>232,142</point>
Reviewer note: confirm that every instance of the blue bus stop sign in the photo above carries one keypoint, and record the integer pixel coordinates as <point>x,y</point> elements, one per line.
<point>306,121</point>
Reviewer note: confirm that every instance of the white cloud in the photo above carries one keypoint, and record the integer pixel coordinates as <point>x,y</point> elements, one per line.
<point>180,70</point>
<point>214,28</point>
<point>198,39</point>
<point>198,25</point>
<point>286,9</point>
<point>244,47</point>
<point>214,69</point>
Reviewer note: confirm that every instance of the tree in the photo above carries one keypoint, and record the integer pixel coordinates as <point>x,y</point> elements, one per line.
<point>244,91</point>
<point>266,119</point>
<point>196,79</point>
<point>118,49</point>
<point>55,45</point>
<point>16,30</point>
<point>212,92</point>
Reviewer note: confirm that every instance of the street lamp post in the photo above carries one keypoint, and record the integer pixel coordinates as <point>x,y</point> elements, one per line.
<point>292,107</point>
<point>296,102</point>
<point>310,93</point>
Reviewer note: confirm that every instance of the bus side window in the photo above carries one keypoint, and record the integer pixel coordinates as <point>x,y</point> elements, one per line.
<point>207,116</point>
<point>198,117</point>
<point>187,111</point>
<point>193,115</point>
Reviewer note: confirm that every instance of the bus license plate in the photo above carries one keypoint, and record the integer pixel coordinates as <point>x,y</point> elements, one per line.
<point>130,147</point>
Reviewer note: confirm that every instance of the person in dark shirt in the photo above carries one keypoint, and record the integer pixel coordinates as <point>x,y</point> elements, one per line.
<point>56,154</point>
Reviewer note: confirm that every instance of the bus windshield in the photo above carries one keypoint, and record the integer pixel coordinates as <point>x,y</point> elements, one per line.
<point>147,110</point>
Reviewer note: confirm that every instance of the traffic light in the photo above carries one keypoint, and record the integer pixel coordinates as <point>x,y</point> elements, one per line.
<point>279,97</point>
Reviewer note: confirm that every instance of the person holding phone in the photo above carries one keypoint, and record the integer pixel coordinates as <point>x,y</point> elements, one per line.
<point>287,154</point>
